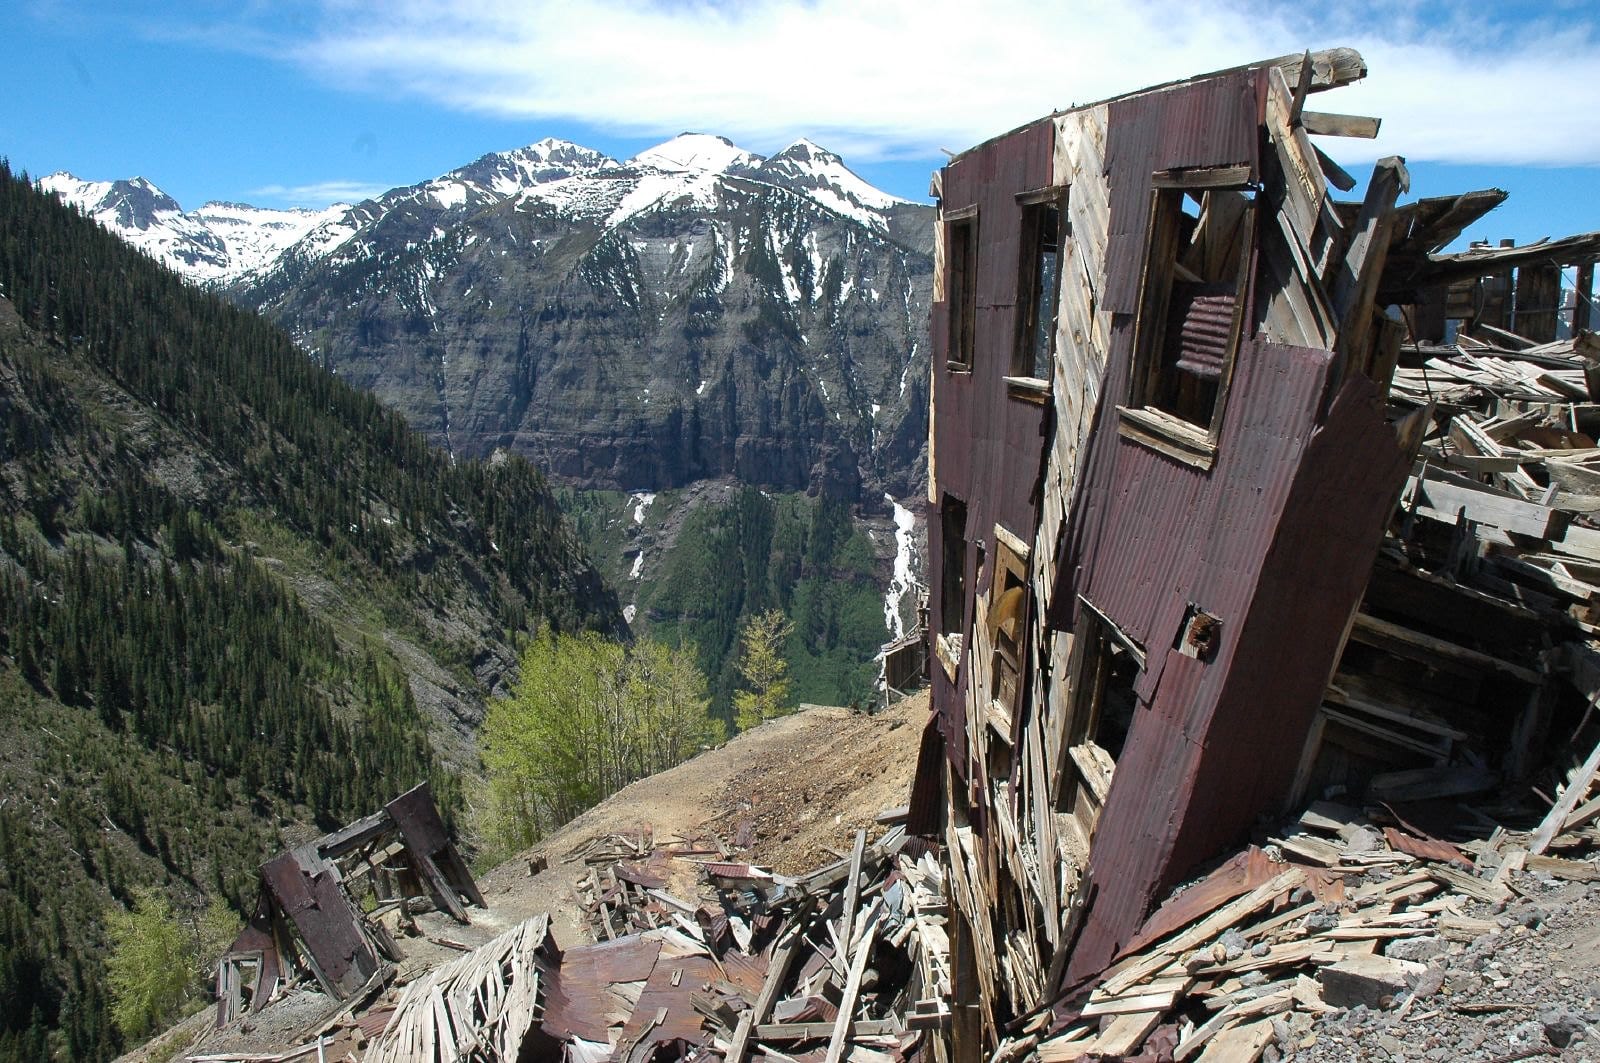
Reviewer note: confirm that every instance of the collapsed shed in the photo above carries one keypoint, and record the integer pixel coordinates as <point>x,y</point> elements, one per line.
<point>1179,388</point>
<point>310,916</point>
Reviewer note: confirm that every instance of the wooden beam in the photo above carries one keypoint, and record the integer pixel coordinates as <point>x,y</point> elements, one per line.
<point>1330,67</point>
<point>1405,642</point>
<point>1320,123</point>
<point>847,1001</point>
<point>808,1031</point>
<point>1162,955</point>
<point>1583,300</point>
<point>1355,282</point>
<point>1556,819</point>
<point>1337,176</point>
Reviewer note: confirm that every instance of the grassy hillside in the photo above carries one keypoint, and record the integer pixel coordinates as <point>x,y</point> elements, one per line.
<point>240,602</point>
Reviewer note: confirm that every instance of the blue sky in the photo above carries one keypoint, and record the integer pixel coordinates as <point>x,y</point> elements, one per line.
<point>299,102</point>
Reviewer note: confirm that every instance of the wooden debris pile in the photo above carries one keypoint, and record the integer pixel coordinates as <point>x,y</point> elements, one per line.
<point>479,1007</point>
<point>627,888</point>
<point>850,960</point>
<point>1475,647</point>
<point>1338,912</point>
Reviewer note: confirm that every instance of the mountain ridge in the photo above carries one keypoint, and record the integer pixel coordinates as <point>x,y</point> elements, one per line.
<point>223,241</point>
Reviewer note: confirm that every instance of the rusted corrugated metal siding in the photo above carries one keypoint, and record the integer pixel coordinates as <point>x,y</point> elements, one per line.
<point>1202,123</point>
<point>1155,535</point>
<point>1311,581</point>
<point>1156,529</point>
<point>1276,541</point>
<point>576,999</point>
<point>306,889</point>
<point>987,444</point>
<point>671,1003</point>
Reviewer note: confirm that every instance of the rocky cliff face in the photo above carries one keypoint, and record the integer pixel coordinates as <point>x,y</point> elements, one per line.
<point>695,312</point>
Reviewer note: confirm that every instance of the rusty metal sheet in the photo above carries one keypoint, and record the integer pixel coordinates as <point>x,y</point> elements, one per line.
<point>713,921</point>
<point>986,444</point>
<point>417,818</point>
<point>740,872</point>
<point>576,1001</point>
<point>639,875</point>
<point>1424,848</point>
<point>681,1021</point>
<point>1277,540</point>
<point>749,973</point>
<point>306,889</point>
<point>374,1022</point>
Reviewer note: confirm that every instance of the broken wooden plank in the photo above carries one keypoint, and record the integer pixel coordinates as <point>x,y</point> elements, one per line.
<point>847,1000</point>
<point>1321,123</point>
<point>1239,1044</point>
<point>1208,928</point>
<point>1555,820</point>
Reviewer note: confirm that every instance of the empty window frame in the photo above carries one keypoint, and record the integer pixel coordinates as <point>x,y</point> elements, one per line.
<point>1191,309</point>
<point>952,577</point>
<point>961,285</point>
<point>1105,666</point>
<point>1007,615</point>
<point>1038,285</point>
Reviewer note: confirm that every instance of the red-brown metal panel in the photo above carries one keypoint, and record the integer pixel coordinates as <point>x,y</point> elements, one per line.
<point>1278,544</point>
<point>307,890</point>
<point>576,1001</point>
<point>681,1021</point>
<point>418,821</point>
<point>987,444</point>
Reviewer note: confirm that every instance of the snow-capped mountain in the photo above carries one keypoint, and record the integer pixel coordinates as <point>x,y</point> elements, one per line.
<point>696,311</point>
<point>217,243</point>
<point>689,171</point>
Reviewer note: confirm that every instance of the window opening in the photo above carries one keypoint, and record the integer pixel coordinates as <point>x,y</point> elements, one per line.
<point>961,267</point>
<point>1106,664</point>
<point>952,577</point>
<point>1039,287</point>
<point>1007,615</point>
<point>1196,283</point>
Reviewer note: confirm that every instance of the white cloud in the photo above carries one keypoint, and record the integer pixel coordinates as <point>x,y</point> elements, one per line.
<point>1453,81</point>
<point>321,193</point>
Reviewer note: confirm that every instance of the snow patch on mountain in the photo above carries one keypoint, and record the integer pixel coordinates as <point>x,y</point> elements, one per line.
<point>225,242</point>
<point>694,153</point>
<point>256,236</point>
<point>218,242</point>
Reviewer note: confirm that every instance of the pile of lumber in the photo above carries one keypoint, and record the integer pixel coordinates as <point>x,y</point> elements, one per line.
<point>850,960</point>
<point>1308,923</point>
<point>477,1008</point>
<point>1477,637</point>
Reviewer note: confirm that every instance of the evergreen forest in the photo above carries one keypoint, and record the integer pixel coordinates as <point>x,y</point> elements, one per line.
<point>240,604</point>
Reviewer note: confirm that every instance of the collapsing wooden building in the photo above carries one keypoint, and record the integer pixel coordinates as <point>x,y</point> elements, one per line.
<point>1162,465</point>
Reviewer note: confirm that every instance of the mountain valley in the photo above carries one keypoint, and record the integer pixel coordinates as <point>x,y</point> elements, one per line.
<point>680,326</point>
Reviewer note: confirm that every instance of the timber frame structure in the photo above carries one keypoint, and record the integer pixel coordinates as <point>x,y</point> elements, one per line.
<point>1164,467</point>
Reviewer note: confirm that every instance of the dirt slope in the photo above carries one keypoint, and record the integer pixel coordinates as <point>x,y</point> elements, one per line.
<point>805,783</point>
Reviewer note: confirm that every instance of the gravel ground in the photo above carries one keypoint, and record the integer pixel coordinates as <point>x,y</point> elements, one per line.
<point>1530,990</point>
